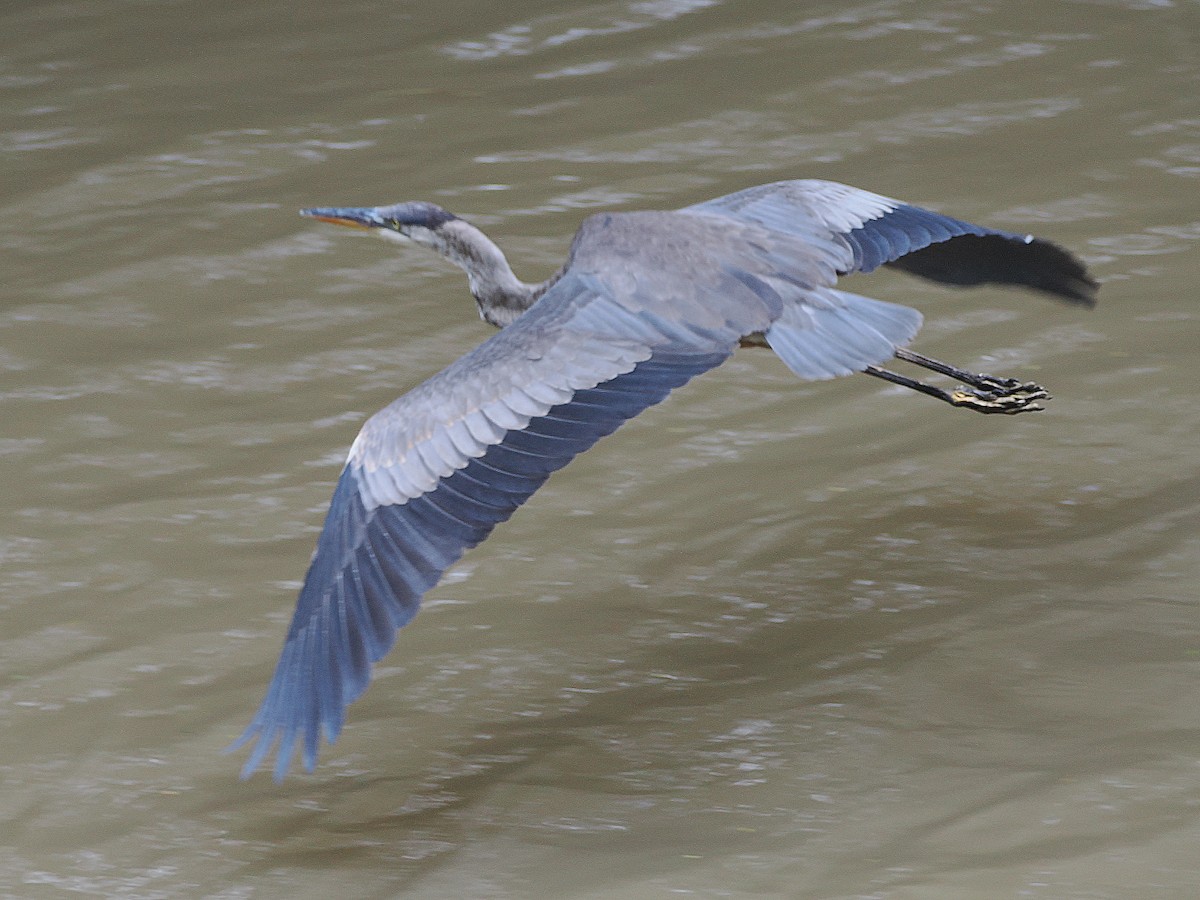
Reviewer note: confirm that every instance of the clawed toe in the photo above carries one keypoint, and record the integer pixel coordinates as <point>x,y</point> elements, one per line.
<point>981,393</point>
<point>1005,387</point>
<point>1007,396</point>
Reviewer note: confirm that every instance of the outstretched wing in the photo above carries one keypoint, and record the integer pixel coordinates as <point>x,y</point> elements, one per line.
<point>881,231</point>
<point>649,300</point>
<point>430,475</point>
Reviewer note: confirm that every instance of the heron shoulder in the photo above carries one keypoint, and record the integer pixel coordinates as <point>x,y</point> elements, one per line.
<point>654,240</point>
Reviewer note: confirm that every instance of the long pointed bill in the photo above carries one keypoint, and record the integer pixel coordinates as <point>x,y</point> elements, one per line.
<point>351,216</point>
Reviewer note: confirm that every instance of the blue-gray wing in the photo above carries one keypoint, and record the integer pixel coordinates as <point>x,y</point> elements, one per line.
<point>648,301</point>
<point>879,231</point>
<point>430,475</point>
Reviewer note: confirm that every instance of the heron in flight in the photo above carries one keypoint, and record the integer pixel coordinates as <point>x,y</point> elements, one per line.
<point>644,302</point>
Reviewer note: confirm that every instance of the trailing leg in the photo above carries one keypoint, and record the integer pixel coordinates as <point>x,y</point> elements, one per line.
<point>985,394</point>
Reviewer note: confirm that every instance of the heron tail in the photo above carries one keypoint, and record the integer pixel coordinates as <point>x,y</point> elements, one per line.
<point>831,333</point>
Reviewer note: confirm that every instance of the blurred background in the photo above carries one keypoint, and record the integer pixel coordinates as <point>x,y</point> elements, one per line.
<point>773,638</point>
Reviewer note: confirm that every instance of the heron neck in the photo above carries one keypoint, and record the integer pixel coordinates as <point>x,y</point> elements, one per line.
<point>501,296</point>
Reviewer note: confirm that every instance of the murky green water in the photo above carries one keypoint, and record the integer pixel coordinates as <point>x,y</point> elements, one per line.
<point>772,639</point>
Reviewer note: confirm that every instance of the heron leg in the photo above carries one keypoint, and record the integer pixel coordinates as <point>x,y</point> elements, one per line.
<point>984,382</point>
<point>990,395</point>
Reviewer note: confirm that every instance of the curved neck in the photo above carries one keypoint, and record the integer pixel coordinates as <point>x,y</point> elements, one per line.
<point>500,295</point>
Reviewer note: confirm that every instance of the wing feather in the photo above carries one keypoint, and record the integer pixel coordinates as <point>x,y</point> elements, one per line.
<point>425,481</point>
<point>863,231</point>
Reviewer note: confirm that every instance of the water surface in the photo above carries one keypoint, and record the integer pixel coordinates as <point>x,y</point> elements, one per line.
<point>772,638</point>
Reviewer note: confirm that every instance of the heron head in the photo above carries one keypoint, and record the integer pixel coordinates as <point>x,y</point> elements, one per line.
<point>416,220</point>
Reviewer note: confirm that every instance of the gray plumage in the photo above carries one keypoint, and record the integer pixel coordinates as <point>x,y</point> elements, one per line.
<point>645,301</point>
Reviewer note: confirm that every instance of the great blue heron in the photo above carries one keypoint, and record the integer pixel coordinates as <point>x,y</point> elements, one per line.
<point>645,301</point>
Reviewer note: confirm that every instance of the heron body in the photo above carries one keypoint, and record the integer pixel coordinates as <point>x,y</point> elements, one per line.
<point>645,302</point>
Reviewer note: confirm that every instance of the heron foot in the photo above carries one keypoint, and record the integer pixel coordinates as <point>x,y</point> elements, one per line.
<point>981,393</point>
<point>1006,396</point>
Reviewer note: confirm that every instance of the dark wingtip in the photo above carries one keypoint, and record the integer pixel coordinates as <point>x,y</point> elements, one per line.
<point>1056,271</point>
<point>997,258</point>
